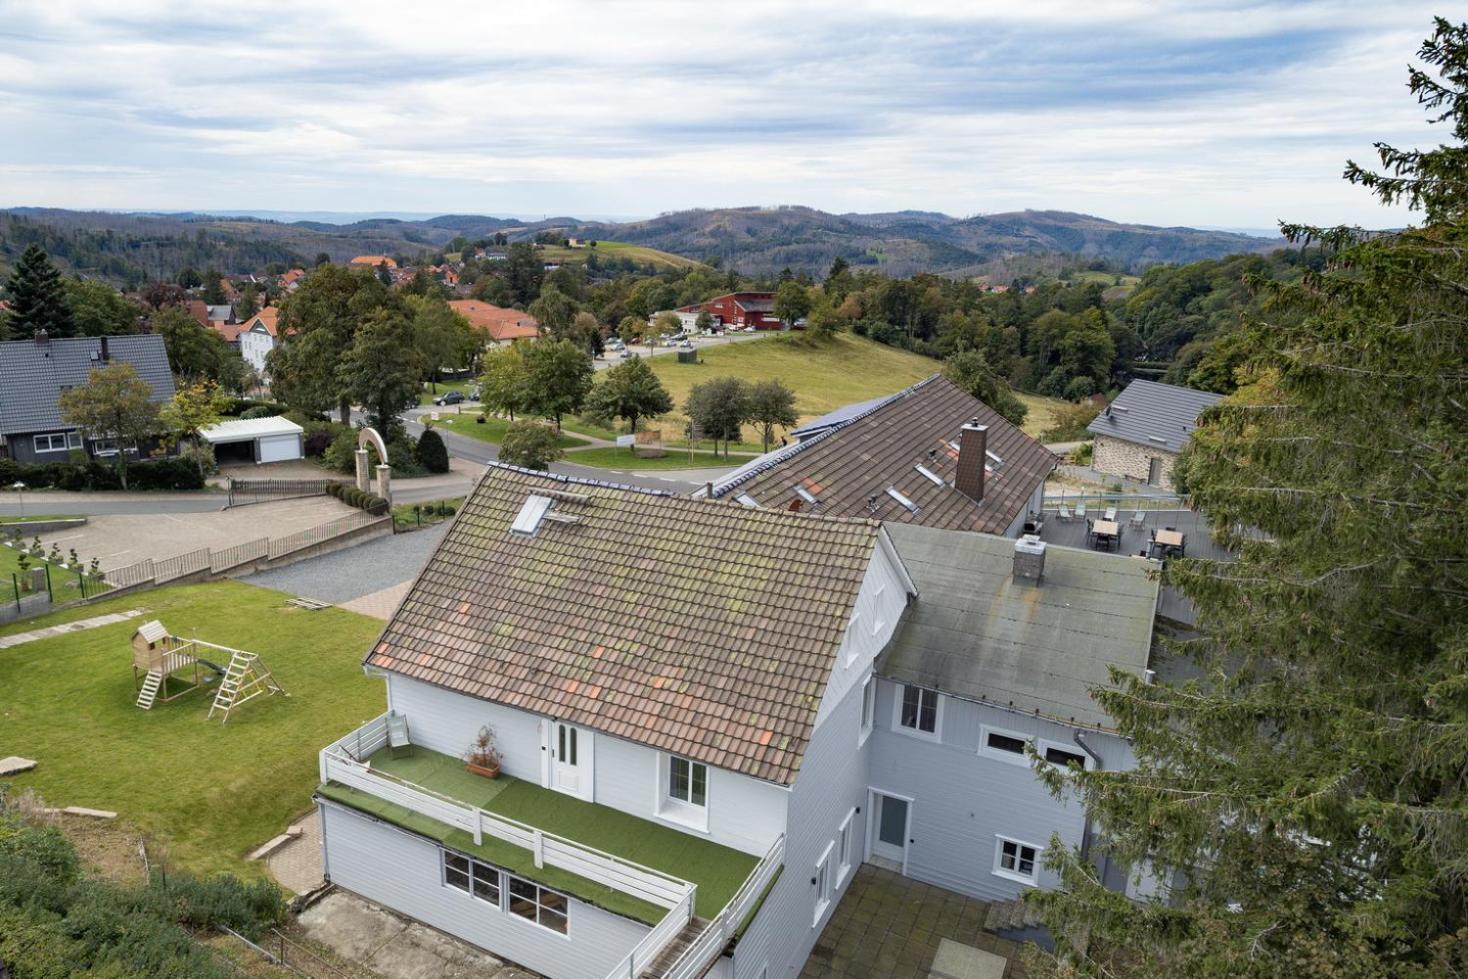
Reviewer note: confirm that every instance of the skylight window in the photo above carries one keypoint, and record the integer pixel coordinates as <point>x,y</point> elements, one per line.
<point>744,499</point>
<point>532,512</point>
<point>911,506</point>
<point>805,494</point>
<point>929,475</point>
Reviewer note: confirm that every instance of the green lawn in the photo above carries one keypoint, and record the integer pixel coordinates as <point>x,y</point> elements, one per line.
<point>37,518</point>
<point>615,249</point>
<point>414,515</point>
<point>63,582</point>
<point>824,375</point>
<point>717,870</point>
<point>613,458</point>
<point>492,429</point>
<point>581,427</point>
<point>1041,414</point>
<point>209,793</point>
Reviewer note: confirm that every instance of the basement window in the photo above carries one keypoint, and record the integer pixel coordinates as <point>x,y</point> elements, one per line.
<point>538,904</point>
<point>911,506</point>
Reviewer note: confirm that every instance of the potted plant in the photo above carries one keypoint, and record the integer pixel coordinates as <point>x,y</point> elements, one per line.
<point>483,758</point>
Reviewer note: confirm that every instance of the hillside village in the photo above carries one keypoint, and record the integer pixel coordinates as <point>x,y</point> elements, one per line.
<point>536,603</point>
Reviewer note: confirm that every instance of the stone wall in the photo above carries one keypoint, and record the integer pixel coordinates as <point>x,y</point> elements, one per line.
<point>1118,458</point>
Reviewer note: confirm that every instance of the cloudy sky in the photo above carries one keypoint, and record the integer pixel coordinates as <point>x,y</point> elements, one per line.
<point>1206,112</point>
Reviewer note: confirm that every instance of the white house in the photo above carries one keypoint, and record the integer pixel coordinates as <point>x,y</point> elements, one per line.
<point>257,338</point>
<point>698,706</point>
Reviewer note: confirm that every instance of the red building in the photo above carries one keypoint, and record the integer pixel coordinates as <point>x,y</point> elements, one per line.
<point>736,310</point>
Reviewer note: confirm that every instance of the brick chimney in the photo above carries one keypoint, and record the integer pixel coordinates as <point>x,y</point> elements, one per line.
<point>973,442</point>
<point>1029,558</point>
<point>42,338</point>
<point>106,354</point>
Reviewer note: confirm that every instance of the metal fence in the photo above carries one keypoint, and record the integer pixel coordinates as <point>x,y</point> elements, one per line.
<point>233,557</point>
<point>243,492</point>
<point>180,565</point>
<point>132,574</point>
<point>281,546</point>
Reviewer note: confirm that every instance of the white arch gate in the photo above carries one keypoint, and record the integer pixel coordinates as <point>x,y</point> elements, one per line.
<point>366,437</point>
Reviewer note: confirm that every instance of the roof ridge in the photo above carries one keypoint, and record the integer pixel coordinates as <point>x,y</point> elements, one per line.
<point>754,469</point>
<point>575,480</point>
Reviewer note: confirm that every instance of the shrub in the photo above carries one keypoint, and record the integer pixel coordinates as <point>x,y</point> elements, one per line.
<point>432,455</point>
<point>259,411</point>
<point>154,474</point>
<point>239,406</point>
<point>1069,423</point>
<point>341,454</point>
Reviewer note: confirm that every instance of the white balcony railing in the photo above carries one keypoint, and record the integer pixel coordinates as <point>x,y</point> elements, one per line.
<point>339,765</point>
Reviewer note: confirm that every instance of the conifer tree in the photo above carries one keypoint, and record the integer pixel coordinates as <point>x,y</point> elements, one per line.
<point>37,297</point>
<point>1305,792</point>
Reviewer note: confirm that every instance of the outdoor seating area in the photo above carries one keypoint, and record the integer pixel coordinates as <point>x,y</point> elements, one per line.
<point>1166,543</point>
<point>1181,532</point>
<point>1104,535</point>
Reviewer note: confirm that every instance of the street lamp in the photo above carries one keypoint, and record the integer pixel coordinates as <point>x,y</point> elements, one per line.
<point>20,498</point>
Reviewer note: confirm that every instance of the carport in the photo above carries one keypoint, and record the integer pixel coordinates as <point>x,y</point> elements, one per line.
<point>255,440</point>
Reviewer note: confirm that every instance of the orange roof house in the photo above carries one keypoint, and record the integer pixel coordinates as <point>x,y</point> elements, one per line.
<point>498,323</point>
<point>374,261</point>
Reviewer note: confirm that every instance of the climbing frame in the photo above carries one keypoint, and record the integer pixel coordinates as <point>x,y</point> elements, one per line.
<point>244,679</point>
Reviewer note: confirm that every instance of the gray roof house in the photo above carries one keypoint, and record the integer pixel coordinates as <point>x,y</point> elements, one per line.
<point>1139,435</point>
<point>33,373</point>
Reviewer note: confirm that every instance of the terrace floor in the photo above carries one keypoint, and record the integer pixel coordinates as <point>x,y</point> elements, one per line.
<point>1072,533</point>
<point>888,925</point>
<point>717,870</point>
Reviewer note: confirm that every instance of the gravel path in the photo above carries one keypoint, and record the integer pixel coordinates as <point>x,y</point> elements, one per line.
<point>356,571</point>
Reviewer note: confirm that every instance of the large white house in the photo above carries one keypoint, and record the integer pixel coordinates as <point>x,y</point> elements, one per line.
<point>708,715</point>
<point>257,338</point>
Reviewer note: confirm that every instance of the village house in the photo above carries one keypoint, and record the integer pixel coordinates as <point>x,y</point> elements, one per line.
<point>737,310</point>
<point>931,454</point>
<point>33,373</point>
<point>1139,435</point>
<point>707,716</point>
<point>256,338</point>
<point>374,261</point>
<point>496,324</point>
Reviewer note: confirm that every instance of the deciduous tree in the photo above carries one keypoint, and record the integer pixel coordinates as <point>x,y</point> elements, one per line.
<point>504,386</point>
<point>532,445</point>
<point>114,404</point>
<point>717,409</point>
<point>558,378</point>
<point>770,404</point>
<point>630,391</point>
<point>382,371</point>
<point>969,370</point>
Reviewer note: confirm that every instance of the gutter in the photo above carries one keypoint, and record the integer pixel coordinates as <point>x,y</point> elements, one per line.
<point>1086,831</point>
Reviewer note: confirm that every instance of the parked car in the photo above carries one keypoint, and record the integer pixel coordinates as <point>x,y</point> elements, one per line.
<point>749,329</point>
<point>625,354</point>
<point>475,394</point>
<point>449,398</point>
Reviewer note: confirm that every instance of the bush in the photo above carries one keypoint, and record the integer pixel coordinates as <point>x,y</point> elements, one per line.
<point>1069,423</point>
<point>432,455</point>
<point>155,474</point>
<point>239,406</point>
<point>259,411</point>
<point>341,454</point>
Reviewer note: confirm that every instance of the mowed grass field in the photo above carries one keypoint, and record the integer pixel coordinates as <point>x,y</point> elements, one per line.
<point>204,793</point>
<point>617,249</point>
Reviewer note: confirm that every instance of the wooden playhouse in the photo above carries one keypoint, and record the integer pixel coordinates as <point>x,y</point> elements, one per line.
<point>166,667</point>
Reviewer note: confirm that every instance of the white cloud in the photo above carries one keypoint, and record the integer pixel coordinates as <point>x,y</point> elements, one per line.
<point>1201,113</point>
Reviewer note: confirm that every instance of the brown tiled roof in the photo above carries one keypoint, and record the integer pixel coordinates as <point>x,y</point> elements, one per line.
<point>374,260</point>
<point>500,323</point>
<point>881,447</point>
<point>267,318</point>
<point>698,627</point>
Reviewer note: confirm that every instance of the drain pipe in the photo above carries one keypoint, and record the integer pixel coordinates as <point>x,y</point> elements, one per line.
<point>1079,738</point>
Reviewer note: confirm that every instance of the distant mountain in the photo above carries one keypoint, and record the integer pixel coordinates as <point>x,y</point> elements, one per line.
<point>131,246</point>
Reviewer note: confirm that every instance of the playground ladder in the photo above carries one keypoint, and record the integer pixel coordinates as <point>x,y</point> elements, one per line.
<point>149,692</point>
<point>245,678</point>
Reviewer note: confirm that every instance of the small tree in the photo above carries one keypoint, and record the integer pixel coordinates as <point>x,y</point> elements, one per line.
<point>432,455</point>
<point>630,391</point>
<point>792,302</point>
<point>114,404</point>
<point>770,403</point>
<point>505,384</point>
<point>630,328</point>
<point>530,445</point>
<point>668,323</point>
<point>194,406</point>
<point>705,320</point>
<point>559,377</point>
<point>969,370</point>
<point>718,407</point>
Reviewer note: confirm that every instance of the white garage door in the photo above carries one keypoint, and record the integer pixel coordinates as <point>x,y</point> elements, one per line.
<point>279,448</point>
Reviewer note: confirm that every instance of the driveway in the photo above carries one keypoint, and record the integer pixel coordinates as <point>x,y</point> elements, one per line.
<point>371,578</point>
<point>121,539</point>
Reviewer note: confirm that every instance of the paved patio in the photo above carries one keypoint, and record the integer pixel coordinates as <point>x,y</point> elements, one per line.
<point>890,925</point>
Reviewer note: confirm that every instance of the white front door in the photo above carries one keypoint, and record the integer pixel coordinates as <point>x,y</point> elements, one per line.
<point>570,760</point>
<point>889,831</point>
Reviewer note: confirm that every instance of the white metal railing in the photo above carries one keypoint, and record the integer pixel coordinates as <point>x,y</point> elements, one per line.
<point>340,764</point>
<point>646,951</point>
<point>710,943</point>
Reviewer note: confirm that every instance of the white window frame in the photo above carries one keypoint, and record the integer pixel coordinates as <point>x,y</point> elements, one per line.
<point>936,734</point>
<point>682,813</point>
<point>1016,875</point>
<point>999,754</point>
<point>852,649</point>
<point>470,873</point>
<point>823,884</point>
<point>109,447</point>
<point>1041,745</point>
<point>507,897</point>
<point>69,440</point>
<point>868,709</point>
<point>844,843</point>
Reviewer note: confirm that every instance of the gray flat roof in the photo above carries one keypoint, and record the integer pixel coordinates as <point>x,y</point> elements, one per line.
<point>978,633</point>
<point>1155,414</point>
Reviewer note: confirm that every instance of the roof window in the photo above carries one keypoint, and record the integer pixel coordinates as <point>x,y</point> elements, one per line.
<point>805,494</point>
<point>532,512</point>
<point>744,499</point>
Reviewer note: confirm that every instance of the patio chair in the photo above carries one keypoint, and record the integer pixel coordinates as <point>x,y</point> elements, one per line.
<point>397,735</point>
<point>1080,509</point>
<point>1139,518</point>
<point>1064,513</point>
<point>1111,513</point>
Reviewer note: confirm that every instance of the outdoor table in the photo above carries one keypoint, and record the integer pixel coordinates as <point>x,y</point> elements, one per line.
<point>1169,542</point>
<point>1107,531</point>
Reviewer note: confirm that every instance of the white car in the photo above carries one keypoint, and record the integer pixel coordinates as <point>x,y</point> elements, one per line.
<point>624,354</point>
<point>749,329</point>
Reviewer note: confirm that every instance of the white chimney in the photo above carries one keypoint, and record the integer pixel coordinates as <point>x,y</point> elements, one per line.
<point>1029,558</point>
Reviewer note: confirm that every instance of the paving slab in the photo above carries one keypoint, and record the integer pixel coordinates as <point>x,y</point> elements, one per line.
<point>958,961</point>
<point>95,622</point>
<point>14,765</point>
<point>295,860</point>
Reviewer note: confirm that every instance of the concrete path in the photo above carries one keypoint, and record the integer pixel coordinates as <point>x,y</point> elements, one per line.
<point>356,573</point>
<point>395,947</point>
<point>380,604</point>
<point>297,865</point>
<point>95,622</point>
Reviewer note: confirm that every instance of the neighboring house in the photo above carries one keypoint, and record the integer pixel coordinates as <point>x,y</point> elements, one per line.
<point>256,338</point>
<point>33,373</point>
<point>1001,650</point>
<point>290,280</point>
<point>740,309</point>
<point>708,716</point>
<point>1140,434</point>
<point>930,454</point>
<point>374,261</point>
<point>199,310</point>
<point>496,323</point>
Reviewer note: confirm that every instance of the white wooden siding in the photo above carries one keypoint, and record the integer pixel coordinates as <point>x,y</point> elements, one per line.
<point>879,604</point>
<point>402,871</point>
<point>832,781</point>
<point>746,814</point>
<point>963,799</point>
